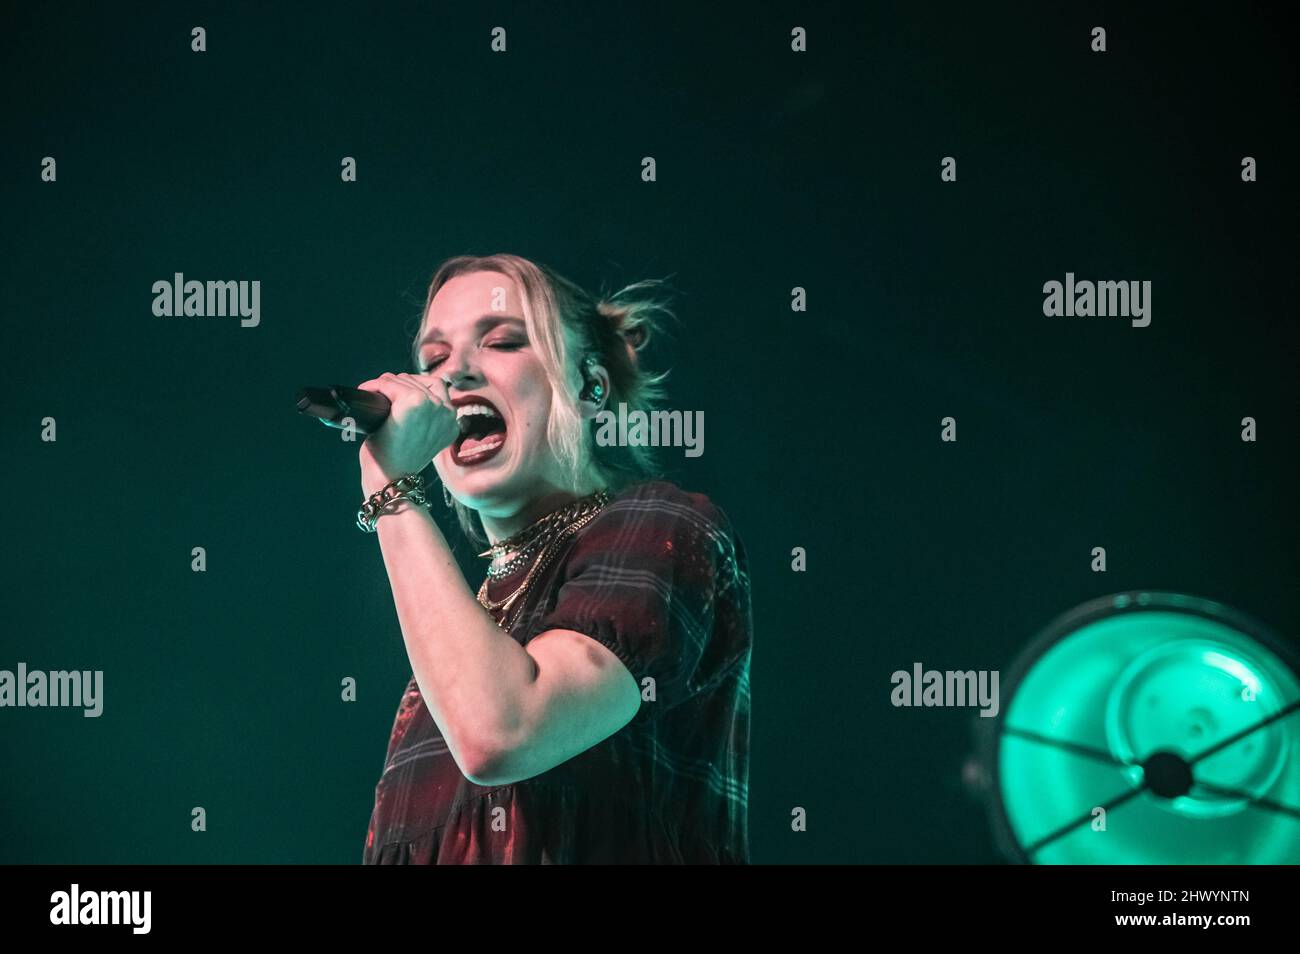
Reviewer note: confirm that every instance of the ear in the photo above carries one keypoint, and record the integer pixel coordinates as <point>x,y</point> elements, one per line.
<point>591,405</point>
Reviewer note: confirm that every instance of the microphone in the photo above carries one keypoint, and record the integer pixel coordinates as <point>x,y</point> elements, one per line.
<point>368,409</point>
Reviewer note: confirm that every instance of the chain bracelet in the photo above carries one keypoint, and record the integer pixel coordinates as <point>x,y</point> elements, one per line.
<point>409,487</point>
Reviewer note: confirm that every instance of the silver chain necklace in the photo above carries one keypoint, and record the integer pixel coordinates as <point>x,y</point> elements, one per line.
<point>498,570</point>
<point>539,533</point>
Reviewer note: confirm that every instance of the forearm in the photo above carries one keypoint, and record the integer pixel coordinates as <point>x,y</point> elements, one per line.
<point>473,676</point>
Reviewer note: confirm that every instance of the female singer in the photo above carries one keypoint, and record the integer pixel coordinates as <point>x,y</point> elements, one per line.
<point>591,704</point>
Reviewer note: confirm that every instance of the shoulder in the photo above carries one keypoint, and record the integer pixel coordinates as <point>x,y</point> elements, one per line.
<point>656,522</point>
<point>664,505</point>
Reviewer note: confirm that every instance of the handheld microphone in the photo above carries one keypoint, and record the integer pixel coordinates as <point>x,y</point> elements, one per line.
<point>367,409</point>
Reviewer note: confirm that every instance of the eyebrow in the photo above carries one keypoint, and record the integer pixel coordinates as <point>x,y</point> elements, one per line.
<point>483,324</point>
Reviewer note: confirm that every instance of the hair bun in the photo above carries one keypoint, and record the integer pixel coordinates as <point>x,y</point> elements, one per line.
<point>633,335</point>
<point>613,313</point>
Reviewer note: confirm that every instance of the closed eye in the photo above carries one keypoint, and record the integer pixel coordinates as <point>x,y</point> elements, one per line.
<point>501,344</point>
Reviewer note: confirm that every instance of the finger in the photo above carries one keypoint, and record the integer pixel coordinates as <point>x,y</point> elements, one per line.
<point>397,388</point>
<point>415,382</point>
<point>428,376</point>
<point>410,382</point>
<point>380,384</point>
<point>437,392</point>
<point>393,386</point>
<point>442,388</point>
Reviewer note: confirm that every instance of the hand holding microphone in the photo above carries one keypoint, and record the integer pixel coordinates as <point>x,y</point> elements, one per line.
<point>421,424</point>
<point>407,420</point>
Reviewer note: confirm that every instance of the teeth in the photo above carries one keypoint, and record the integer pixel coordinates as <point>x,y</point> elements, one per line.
<point>467,409</point>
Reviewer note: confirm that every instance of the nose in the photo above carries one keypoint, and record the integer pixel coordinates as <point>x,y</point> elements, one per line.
<point>457,372</point>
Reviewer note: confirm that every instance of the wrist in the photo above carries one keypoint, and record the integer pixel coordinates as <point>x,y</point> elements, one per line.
<point>374,475</point>
<point>407,492</point>
<point>374,480</point>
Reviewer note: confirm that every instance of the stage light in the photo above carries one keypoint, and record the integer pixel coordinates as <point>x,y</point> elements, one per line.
<point>1147,728</point>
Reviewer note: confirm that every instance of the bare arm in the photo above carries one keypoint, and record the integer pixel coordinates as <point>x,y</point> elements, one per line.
<point>468,670</point>
<point>507,712</point>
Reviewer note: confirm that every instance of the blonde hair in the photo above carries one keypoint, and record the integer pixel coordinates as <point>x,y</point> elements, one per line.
<point>565,324</point>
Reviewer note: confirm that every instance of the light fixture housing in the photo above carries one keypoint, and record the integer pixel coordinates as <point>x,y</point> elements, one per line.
<point>1147,728</point>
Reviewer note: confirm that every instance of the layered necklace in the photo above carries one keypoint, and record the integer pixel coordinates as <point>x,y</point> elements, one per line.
<point>538,542</point>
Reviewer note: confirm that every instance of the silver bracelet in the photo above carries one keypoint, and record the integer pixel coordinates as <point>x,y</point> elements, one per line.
<point>409,487</point>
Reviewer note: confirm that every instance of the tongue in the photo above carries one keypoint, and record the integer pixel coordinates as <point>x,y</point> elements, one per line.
<point>473,445</point>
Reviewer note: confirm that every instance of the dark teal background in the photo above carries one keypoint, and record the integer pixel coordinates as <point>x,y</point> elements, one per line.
<point>822,429</point>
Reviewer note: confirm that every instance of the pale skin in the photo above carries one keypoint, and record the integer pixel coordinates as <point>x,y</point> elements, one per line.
<point>507,712</point>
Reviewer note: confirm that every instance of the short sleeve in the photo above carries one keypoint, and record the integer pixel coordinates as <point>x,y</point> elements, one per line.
<point>658,578</point>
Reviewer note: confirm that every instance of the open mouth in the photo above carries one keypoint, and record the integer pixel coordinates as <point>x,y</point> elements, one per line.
<point>482,433</point>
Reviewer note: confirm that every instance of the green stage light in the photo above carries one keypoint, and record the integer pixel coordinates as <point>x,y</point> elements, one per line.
<point>1149,728</point>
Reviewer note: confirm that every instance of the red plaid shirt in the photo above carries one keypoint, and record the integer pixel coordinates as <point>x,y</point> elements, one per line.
<point>660,578</point>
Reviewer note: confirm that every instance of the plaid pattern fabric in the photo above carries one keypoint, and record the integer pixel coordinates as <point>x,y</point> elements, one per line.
<point>661,579</point>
